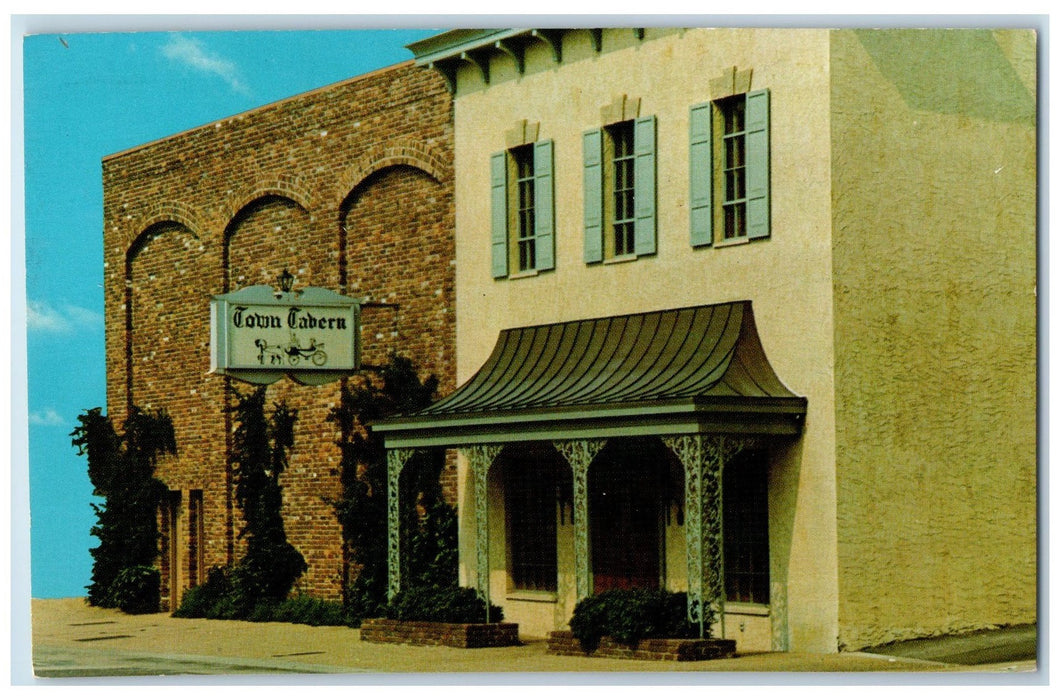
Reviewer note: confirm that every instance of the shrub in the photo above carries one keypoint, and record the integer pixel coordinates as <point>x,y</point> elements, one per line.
<point>230,593</point>
<point>304,610</point>
<point>366,597</point>
<point>135,590</point>
<point>628,616</point>
<point>212,599</point>
<point>223,597</point>
<point>441,604</point>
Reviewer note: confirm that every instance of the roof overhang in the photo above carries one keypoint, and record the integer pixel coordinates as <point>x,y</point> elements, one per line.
<point>681,371</point>
<point>449,45</point>
<point>447,51</point>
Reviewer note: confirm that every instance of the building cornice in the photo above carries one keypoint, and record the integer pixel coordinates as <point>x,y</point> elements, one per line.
<point>445,52</point>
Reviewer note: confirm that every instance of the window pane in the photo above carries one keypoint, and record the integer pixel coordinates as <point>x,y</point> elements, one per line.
<point>623,193</point>
<point>530,499</point>
<point>733,150</point>
<point>524,166</point>
<point>746,528</point>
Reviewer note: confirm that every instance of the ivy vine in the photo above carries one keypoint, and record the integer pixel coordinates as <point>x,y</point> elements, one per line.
<point>121,469</point>
<point>428,523</point>
<point>271,565</point>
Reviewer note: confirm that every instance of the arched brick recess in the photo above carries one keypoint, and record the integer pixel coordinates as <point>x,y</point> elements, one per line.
<point>395,152</point>
<point>270,234</point>
<point>169,277</point>
<point>171,212</point>
<point>287,187</point>
<point>403,201</point>
<point>166,273</point>
<point>398,244</point>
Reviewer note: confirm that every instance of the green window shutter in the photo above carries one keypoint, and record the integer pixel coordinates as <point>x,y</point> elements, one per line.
<point>701,175</point>
<point>644,185</point>
<point>592,152</point>
<point>758,164</point>
<point>544,209</point>
<point>499,212</point>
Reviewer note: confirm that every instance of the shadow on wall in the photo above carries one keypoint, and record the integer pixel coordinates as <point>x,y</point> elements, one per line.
<point>941,79</point>
<point>783,489</point>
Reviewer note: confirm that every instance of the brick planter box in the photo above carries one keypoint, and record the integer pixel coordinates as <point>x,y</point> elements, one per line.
<point>463,636</point>
<point>563,643</point>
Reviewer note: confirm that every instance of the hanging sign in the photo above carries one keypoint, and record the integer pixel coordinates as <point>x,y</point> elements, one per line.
<point>259,335</point>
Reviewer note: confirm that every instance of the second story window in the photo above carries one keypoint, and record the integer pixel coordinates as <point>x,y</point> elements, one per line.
<point>733,181</point>
<point>619,192</point>
<point>522,217</point>
<point>522,206</point>
<point>622,189</point>
<point>729,169</point>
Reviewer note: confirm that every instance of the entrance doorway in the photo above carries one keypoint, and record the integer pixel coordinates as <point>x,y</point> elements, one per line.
<point>171,549</point>
<point>626,486</point>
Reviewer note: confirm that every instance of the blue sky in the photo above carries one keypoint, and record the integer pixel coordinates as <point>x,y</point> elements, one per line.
<point>87,95</point>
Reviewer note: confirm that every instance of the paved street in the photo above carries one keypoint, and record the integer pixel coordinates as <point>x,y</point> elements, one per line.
<point>74,640</point>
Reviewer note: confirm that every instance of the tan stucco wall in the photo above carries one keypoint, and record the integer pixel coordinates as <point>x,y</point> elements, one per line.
<point>788,277</point>
<point>933,175</point>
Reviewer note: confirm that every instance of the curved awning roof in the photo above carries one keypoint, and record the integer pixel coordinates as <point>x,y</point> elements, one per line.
<point>699,369</point>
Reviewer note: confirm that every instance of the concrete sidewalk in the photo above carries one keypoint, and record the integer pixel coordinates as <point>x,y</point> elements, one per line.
<point>74,640</point>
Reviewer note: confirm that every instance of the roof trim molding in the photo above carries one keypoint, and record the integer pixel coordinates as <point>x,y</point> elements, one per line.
<point>447,51</point>
<point>451,44</point>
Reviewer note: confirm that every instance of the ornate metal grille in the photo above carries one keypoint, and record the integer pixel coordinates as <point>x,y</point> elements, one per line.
<point>480,457</point>
<point>579,454</point>
<point>395,462</point>
<point>703,458</point>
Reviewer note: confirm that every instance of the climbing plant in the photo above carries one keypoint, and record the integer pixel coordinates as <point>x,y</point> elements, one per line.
<point>428,523</point>
<point>261,444</point>
<point>121,469</point>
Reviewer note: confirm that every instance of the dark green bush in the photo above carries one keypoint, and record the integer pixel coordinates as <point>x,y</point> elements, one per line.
<point>629,616</point>
<point>441,604</point>
<point>135,590</point>
<point>304,610</point>
<point>366,597</point>
<point>212,599</point>
<point>223,597</point>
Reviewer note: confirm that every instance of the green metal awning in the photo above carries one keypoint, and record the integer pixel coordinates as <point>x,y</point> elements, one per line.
<point>699,369</point>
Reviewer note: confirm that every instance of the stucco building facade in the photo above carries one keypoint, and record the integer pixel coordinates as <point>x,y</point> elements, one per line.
<point>851,217</point>
<point>349,188</point>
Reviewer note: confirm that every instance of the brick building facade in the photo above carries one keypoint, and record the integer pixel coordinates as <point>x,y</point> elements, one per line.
<point>350,188</point>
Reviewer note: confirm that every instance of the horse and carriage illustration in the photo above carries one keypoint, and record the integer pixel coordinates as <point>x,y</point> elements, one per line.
<point>292,353</point>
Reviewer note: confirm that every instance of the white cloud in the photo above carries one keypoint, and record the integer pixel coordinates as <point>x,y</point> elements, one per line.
<point>46,417</point>
<point>42,316</point>
<point>191,53</point>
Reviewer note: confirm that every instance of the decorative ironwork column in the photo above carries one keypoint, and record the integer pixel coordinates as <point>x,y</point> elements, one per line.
<point>395,462</point>
<point>778,615</point>
<point>579,454</point>
<point>703,458</point>
<point>480,458</point>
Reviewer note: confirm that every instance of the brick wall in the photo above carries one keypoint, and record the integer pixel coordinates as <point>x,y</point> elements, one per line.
<point>350,188</point>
